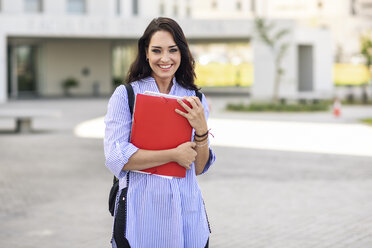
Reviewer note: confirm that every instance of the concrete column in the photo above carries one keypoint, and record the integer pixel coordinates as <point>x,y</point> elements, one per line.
<point>3,69</point>
<point>264,70</point>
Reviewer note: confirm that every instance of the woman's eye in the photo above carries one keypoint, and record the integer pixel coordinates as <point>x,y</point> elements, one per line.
<point>174,50</point>
<point>155,50</point>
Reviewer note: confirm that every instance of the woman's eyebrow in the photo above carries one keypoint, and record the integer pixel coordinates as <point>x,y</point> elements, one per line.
<point>161,47</point>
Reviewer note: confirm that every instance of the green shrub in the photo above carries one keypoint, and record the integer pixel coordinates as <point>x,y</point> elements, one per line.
<point>367,121</point>
<point>280,107</point>
<point>116,81</point>
<point>69,83</point>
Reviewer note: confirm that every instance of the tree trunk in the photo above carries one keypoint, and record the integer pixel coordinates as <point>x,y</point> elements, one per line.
<point>276,85</point>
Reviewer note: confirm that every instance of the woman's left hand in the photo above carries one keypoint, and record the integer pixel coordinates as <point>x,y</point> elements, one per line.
<point>194,114</point>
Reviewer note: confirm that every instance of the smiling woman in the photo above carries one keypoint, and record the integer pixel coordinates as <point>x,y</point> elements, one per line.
<point>153,211</point>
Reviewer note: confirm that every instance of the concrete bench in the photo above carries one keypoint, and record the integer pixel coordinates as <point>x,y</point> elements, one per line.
<point>24,117</point>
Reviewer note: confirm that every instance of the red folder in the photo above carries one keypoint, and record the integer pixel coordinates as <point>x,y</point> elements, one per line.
<point>156,126</point>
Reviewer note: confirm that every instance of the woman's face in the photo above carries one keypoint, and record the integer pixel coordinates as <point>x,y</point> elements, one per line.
<point>163,55</point>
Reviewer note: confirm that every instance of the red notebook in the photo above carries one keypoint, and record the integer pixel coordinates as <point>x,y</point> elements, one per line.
<point>156,126</point>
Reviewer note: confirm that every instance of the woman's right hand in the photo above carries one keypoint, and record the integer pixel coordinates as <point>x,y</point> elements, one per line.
<point>185,154</point>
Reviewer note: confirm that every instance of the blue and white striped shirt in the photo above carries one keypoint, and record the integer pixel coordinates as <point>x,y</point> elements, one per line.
<point>161,212</point>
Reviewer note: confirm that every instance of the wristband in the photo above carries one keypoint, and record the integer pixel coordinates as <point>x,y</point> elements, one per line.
<point>202,134</point>
<point>197,140</point>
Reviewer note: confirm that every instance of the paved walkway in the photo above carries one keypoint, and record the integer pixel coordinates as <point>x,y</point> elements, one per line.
<point>54,186</point>
<point>327,138</point>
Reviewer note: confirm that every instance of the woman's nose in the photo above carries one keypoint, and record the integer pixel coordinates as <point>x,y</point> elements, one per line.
<point>165,57</point>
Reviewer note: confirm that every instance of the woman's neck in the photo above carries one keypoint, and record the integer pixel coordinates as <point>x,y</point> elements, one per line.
<point>164,86</point>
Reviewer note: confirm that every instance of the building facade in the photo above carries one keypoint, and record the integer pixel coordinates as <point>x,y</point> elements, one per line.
<point>43,43</point>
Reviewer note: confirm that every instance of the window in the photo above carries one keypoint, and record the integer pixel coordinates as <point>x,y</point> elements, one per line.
<point>175,10</point>
<point>33,6</point>
<point>26,70</point>
<point>214,4</point>
<point>161,9</point>
<point>320,4</point>
<point>188,11</point>
<point>76,6</point>
<point>253,6</point>
<point>352,8</point>
<point>135,7</point>
<point>366,5</point>
<point>118,6</point>
<point>238,5</point>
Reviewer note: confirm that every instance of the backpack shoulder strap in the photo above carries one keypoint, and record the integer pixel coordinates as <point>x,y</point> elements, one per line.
<point>199,95</point>
<point>130,93</point>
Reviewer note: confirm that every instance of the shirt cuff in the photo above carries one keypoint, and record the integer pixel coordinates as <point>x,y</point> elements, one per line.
<point>120,157</point>
<point>211,159</point>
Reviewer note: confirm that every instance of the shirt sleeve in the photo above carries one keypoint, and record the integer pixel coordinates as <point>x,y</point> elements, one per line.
<point>212,156</point>
<point>118,123</point>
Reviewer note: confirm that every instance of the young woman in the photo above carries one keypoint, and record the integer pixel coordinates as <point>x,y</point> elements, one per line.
<point>153,211</point>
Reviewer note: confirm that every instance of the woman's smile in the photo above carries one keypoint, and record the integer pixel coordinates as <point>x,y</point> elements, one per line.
<point>165,67</point>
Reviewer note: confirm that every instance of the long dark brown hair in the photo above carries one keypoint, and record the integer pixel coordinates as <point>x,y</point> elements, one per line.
<point>140,68</point>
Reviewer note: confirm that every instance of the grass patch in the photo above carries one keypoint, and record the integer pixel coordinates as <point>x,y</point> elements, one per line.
<point>356,102</point>
<point>280,107</point>
<point>367,121</point>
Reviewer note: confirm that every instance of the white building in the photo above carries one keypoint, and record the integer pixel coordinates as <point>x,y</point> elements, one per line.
<point>347,19</point>
<point>44,42</point>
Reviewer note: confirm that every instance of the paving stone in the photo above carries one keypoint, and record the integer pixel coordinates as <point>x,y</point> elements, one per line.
<point>54,188</point>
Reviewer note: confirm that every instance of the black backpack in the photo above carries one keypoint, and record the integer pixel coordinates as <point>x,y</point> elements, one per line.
<point>115,182</point>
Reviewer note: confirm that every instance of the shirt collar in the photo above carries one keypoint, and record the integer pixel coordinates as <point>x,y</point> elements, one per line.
<point>150,80</point>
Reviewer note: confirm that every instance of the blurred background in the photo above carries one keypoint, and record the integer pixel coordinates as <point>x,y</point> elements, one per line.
<point>84,48</point>
<point>288,83</point>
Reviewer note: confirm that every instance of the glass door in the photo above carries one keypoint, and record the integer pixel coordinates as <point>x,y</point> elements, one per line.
<point>26,70</point>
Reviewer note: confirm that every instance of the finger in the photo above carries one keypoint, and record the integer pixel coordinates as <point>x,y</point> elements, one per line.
<point>195,154</point>
<point>193,102</point>
<point>186,164</point>
<point>192,99</point>
<point>198,105</point>
<point>184,105</point>
<point>193,144</point>
<point>197,100</point>
<point>181,113</point>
